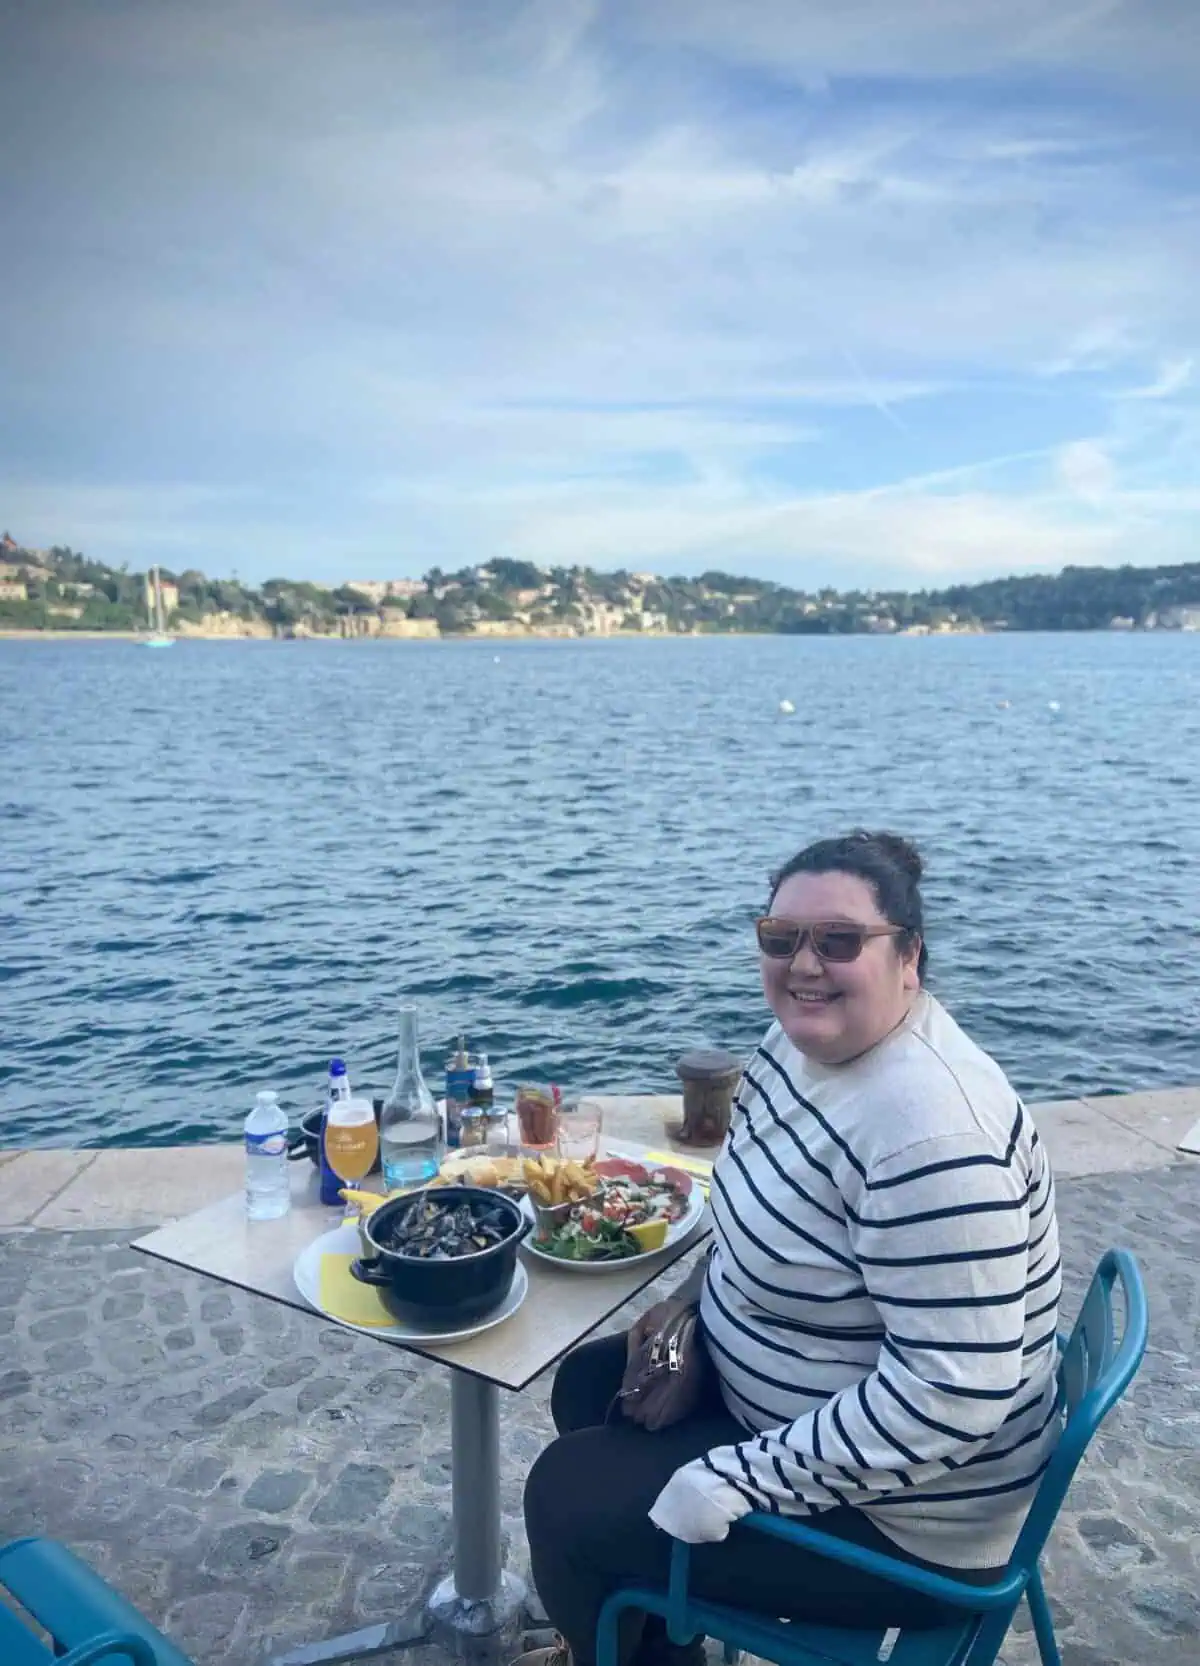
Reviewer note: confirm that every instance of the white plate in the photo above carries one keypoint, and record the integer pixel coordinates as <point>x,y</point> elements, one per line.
<point>344,1240</point>
<point>675,1232</point>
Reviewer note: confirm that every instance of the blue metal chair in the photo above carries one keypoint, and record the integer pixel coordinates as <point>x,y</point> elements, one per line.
<point>1094,1372</point>
<point>87,1622</point>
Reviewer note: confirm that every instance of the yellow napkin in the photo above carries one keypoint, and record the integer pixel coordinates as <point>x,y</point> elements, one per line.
<point>345,1298</point>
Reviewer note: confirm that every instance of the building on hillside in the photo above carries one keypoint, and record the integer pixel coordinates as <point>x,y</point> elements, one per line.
<point>24,571</point>
<point>380,590</point>
<point>1183,618</point>
<point>12,590</point>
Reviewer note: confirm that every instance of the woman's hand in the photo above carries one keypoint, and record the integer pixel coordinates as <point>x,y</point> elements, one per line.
<point>697,1506</point>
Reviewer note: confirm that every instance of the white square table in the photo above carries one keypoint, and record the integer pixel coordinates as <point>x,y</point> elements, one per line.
<point>478,1598</point>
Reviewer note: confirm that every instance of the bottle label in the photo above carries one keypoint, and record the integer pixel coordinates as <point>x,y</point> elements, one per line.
<point>266,1145</point>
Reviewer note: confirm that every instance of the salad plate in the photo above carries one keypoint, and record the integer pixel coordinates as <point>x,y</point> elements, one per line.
<point>596,1235</point>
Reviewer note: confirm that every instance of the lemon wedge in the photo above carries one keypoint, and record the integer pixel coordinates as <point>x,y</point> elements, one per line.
<point>365,1202</point>
<point>649,1235</point>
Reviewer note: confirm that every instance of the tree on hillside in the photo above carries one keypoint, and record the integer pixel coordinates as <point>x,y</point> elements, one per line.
<point>515,575</point>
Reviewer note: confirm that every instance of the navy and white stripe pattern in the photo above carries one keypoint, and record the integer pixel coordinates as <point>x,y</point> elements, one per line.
<point>882,1297</point>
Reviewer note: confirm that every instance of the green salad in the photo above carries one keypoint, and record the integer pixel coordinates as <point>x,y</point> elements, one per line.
<point>590,1238</point>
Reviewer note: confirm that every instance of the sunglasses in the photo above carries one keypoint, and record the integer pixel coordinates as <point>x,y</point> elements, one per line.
<point>830,939</point>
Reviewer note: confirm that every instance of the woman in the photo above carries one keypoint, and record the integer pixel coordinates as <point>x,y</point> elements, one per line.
<point>879,1302</point>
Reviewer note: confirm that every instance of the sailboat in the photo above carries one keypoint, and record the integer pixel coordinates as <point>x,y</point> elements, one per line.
<point>160,639</point>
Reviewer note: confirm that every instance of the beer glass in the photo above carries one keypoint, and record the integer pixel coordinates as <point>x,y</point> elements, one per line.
<point>351,1138</point>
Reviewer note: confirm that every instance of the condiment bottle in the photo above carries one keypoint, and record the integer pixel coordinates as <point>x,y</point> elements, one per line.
<point>482,1088</point>
<point>460,1078</point>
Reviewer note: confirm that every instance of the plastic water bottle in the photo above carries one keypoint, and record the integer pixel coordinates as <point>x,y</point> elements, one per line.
<point>268,1187</point>
<point>339,1088</point>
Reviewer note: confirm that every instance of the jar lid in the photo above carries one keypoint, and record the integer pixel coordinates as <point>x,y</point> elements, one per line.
<point>705,1064</point>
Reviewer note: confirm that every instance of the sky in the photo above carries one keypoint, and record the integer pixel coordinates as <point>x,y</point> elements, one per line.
<point>888,292</point>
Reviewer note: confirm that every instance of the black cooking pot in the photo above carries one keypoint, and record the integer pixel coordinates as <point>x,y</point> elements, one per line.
<point>458,1290</point>
<point>306,1140</point>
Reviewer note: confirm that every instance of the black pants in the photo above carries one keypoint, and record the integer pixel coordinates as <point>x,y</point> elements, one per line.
<point>587,1503</point>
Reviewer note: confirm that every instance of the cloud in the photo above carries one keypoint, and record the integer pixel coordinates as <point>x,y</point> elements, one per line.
<point>304,287</point>
<point>1172,378</point>
<point>1086,470</point>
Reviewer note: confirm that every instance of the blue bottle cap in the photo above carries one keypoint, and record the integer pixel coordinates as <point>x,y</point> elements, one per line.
<point>337,1067</point>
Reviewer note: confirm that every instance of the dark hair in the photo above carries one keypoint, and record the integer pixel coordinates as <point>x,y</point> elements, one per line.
<point>890,865</point>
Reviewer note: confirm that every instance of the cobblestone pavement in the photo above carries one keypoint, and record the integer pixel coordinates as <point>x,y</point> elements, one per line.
<point>254,1478</point>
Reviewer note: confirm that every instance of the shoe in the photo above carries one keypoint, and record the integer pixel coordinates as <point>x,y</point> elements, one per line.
<point>549,1648</point>
<point>554,1652</point>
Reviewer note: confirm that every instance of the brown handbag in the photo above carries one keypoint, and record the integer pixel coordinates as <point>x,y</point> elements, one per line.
<point>664,1381</point>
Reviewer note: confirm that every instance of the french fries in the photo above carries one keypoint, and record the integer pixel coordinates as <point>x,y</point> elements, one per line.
<point>552,1180</point>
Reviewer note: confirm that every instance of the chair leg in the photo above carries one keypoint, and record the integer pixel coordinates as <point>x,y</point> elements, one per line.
<point>1043,1625</point>
<point>607,1634</point>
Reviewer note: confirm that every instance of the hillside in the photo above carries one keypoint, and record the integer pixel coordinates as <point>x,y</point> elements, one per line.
<point>60,589</point>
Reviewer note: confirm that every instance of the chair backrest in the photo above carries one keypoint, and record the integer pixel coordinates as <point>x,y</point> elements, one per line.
<point>1096,1368</point>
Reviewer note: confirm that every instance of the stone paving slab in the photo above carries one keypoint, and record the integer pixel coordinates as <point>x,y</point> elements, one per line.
<point>35,1178</point>
<point>1165,1116</point>
<point>1083,1141</point>
<point>142,1188</point>
<point>254,1478</point>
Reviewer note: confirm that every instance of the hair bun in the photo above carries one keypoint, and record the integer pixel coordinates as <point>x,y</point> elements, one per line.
<point>904,853</point>
<point>899,850</point>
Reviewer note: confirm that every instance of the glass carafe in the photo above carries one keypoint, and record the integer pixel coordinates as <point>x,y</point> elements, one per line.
<point>410,1129</point>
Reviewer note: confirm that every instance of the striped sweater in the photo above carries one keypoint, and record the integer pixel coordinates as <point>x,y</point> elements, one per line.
<point>882,1295</point>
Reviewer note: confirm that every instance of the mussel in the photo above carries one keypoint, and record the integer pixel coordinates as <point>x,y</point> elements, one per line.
<point>437,1231</point>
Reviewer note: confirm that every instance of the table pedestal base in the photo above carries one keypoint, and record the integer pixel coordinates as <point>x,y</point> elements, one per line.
<point>478,1618</point>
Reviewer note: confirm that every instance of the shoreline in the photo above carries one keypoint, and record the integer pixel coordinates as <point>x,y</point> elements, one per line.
<point>485,640</point>
<point>8,634</point>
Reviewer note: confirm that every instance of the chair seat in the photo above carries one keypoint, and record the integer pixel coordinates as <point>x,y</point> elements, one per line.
<point>829,1644</point>
<point>72,1603</point>
<point>813,1645</point>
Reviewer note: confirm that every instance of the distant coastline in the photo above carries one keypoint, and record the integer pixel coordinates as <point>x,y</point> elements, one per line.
<point>13,634</point>
<point>8,634</point>
<point>58,593</point>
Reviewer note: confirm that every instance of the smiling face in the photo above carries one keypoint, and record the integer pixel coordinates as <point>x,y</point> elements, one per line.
<point>834,1012</point>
